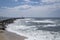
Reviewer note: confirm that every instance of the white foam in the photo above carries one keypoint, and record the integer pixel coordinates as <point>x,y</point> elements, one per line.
<point>37,35</point>
<point>50,25</point>
<point>45,21</point>
<point>31,31</point>
<point>14,31</point>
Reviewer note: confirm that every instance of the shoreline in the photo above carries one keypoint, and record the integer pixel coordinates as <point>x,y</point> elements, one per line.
<point>6,35</point>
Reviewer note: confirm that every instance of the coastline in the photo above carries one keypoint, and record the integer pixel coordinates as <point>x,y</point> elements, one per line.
<point>6,35</point>
<point>10,36</point>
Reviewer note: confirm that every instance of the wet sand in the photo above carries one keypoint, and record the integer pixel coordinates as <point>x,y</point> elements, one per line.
<point>10,36</point>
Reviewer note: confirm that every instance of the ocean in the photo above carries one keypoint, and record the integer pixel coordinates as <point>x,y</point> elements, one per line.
<point>36,28</point>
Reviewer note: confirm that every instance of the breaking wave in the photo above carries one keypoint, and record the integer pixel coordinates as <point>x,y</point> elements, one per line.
<point>29,28</point>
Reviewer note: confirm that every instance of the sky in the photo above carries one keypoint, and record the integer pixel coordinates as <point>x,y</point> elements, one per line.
<point>30,8</point>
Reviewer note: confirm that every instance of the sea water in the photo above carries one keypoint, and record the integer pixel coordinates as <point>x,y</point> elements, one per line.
<point>34,29</point>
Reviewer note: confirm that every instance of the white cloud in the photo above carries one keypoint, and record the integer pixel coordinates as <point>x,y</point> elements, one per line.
<point>24,7</point>
<point>27,0</point>
<point>34,2</point>
<point>28,10</point>
<point>16,0</point>
<point>50,1</point>
<point>30,2</point>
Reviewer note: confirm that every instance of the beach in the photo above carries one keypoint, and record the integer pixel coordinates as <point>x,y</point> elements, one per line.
<point>31,29</point>
<point>10,36</point>
<point>5,35</point>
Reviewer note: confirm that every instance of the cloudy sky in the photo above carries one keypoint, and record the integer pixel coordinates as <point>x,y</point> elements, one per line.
<point>30,8</point>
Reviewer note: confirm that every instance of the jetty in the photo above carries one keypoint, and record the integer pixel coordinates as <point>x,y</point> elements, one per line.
<point>4,22</point>
<point>7,21</point>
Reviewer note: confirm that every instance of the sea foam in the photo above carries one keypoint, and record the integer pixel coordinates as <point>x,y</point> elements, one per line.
<point>20,27</point>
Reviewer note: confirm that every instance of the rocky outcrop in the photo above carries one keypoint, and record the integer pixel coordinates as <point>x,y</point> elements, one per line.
<point>6,22</point>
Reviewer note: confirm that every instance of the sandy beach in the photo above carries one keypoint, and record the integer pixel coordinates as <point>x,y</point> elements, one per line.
<point>10,36</point>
